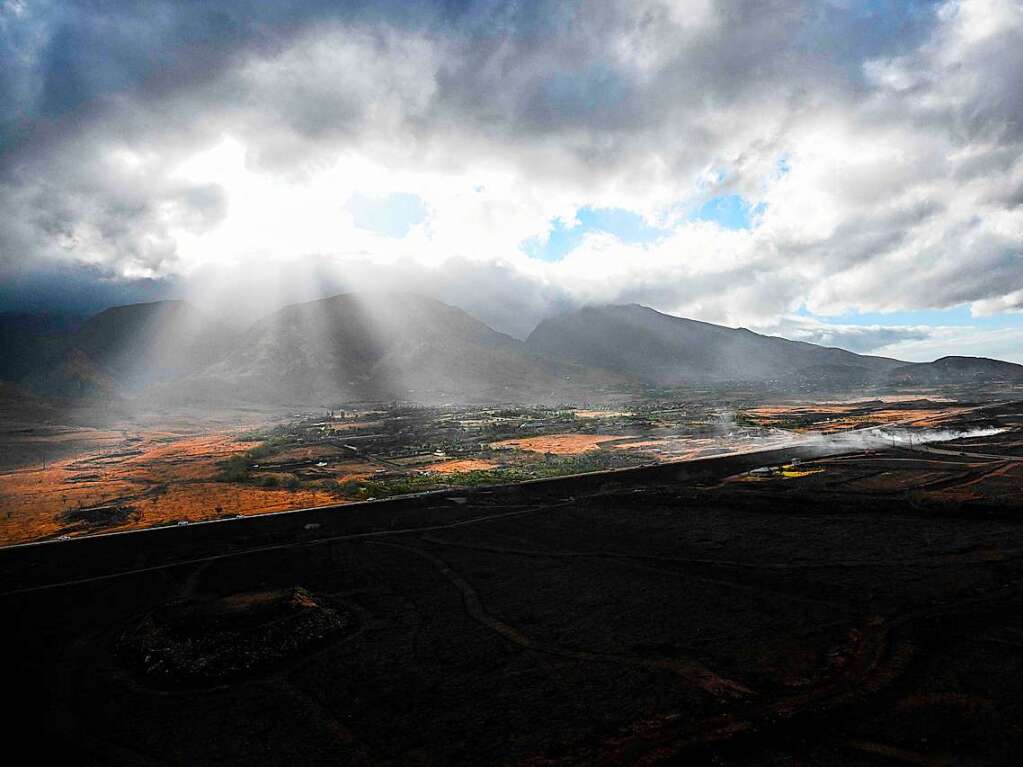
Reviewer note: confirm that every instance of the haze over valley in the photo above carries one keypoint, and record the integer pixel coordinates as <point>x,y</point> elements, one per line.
<point>381,346</point>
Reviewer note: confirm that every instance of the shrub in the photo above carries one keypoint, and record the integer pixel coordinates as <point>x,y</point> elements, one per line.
<point>234,469</point>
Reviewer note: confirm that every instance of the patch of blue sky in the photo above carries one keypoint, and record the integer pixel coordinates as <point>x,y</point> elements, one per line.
<point>627,226</point>
<point>956,316</point>
<point>728,211</point>
<point>731,211</point>
<point>391,216</point>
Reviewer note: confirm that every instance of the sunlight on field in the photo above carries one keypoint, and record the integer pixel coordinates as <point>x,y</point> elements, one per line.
<point>148,479</point>
<point>641,444</point>
<point>600,413</point>
<point>558,444</point>
<point>460,466</point>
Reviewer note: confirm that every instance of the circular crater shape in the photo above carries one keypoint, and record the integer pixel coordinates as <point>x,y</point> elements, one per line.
<point>199,642</point>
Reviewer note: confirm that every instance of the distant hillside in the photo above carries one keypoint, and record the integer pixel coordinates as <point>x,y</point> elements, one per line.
<point>957,370</point>
<point>144,343</point>
<point>29,341</point>
<point>382,346</point>
<point>19,407</point>
<point>125,349</point>
<point>664,350</point>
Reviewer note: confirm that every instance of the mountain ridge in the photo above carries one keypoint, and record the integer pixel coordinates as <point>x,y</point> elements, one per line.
<point>661,349</point>
<point>399,345</point>
<point>381,345</point>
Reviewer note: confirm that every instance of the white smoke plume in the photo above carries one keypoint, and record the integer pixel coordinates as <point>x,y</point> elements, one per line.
<point>881,437</point>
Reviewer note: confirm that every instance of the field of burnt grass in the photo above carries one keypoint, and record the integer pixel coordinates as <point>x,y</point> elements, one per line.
<point>203,642</point>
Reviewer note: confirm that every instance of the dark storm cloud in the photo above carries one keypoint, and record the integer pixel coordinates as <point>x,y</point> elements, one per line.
<point>67,60</point>
<point>573,76</point>
<point>78,289</point>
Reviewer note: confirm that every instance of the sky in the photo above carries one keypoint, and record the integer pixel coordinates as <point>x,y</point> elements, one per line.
<point>846,172</point>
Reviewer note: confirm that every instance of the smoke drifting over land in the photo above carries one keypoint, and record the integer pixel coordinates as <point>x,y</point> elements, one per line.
<point>876,439</point>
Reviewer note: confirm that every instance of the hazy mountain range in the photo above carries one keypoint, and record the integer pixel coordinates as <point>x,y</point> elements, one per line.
<point>378,346</point>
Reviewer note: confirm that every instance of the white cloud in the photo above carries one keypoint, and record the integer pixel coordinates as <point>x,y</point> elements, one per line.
<point>1002,343</point>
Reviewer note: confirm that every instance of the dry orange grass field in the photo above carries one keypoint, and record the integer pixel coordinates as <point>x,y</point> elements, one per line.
<point>460,466</point>
<point>162,477</point>
<point>600,413</point>
<point>558,444</point>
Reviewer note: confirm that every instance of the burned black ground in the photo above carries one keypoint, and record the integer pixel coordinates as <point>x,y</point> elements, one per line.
<point>861,609</point>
